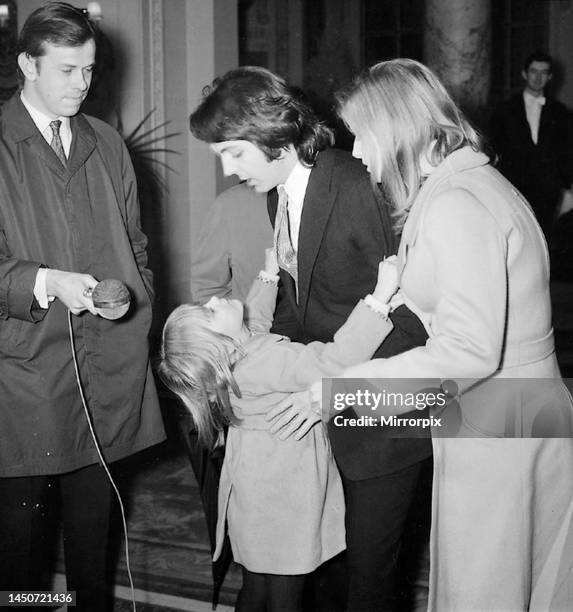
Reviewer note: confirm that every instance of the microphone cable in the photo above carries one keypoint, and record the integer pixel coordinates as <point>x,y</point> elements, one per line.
<point>101,458</point>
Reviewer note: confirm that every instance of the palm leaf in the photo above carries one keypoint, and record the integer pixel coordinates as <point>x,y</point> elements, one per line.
<point>144,146</point>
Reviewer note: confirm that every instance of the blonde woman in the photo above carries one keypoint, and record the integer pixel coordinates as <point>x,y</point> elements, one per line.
<point>473,266</point>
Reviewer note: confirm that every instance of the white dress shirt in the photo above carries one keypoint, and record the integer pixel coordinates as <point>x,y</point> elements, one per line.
<point>42,122</point>
<point>295,187</point>
<point>533,106</point>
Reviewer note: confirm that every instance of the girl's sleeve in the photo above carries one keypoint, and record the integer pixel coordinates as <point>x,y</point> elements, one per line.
<point>291,366</point>
<point>260,303</point>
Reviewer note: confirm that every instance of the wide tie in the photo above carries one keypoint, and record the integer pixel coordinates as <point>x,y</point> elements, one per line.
<point>56,143</point>
<point>286,255</point>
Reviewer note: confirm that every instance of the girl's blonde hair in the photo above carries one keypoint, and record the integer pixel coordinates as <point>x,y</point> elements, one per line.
<point>195,363</point>
<point>399,109</point>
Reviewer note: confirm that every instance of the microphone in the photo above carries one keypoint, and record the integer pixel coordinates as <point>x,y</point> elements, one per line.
<point>111,298</point>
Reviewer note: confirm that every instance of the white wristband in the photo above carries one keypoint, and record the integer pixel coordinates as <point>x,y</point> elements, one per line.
<point>268,278</point>
<point>377,306</point>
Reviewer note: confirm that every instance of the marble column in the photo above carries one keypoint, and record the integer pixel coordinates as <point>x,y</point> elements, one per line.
<point>457,46</point>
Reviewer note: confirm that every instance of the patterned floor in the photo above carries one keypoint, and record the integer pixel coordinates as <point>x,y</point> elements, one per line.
<point>168,544</point>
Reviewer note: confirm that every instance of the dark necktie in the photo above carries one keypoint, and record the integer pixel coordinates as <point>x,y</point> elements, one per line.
<point>56,143</point>
<point>286,255</point>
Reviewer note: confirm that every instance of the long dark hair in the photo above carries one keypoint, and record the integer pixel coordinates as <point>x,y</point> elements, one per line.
<point>254,104</point>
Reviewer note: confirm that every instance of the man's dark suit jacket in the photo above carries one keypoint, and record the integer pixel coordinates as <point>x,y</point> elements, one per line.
<point>345,232</point>
<point>539,170</point>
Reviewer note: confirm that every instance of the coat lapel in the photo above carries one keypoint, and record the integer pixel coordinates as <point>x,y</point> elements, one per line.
<point>460,160</point>
<point>83,143</point>
<point>23,129</point>
<point>409,235</point>
<point>544,121</point>
<point>318,202</point>
<point>43,150</point>
<point>522,120</point>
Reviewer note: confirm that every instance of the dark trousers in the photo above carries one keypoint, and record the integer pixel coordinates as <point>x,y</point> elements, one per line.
<point>28,522</point>
<point>377,510</point>
<point>326,588</point>
<point>270,593</point>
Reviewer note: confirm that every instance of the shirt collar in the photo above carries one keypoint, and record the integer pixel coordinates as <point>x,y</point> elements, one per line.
<point>529,99</point>
<point>297,182</point>
<point>41,120</point>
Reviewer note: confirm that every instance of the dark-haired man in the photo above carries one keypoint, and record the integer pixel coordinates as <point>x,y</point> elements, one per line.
<point>533,135</point>
<point>331,231</point>
<point>69,216</point>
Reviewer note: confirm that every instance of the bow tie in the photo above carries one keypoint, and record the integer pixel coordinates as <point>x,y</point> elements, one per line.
<point>539,100</point>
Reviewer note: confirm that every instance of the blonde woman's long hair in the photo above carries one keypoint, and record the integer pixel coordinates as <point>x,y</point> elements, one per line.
<point>400,111</point>
<point>196,364</point>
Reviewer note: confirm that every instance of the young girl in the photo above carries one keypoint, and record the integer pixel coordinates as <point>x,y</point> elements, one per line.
<point>282,500</point>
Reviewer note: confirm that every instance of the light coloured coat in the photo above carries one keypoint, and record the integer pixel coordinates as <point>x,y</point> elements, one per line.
<point>474,268</point>
<point>283,499</point>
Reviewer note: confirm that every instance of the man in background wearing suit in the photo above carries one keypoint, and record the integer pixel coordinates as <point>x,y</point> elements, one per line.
<point>533,136</point>
<point>265,133</point>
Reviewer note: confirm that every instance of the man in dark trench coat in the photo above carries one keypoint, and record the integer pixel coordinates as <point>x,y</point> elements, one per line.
<point>69,217</point>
